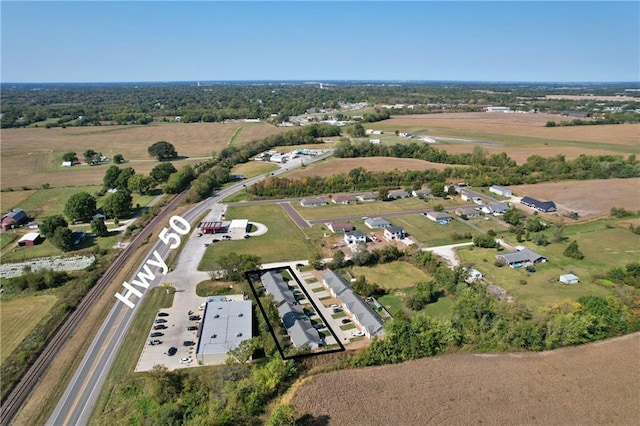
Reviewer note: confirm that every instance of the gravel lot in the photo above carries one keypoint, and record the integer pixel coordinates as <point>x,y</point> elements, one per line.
<point>58,263</point>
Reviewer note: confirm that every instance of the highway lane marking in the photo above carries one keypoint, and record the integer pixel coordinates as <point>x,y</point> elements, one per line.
<point>93,366</point>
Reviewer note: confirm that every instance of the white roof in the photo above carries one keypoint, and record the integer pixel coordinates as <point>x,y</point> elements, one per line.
<point>239,224</point>
<point>224,326</point>
<point>31,236</point>
<point>569,277</point>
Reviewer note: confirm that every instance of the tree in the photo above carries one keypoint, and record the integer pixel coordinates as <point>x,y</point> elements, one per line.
<point>162,150</point>
<point>80,206</point>
<point>338,260</point>
<point>234,265</point>
<point>69,156</point>
<point>123,177</point>
<point>162,171</point>
<point>62,238</point>
<point>118,204</point>
<point>315,260</point>
<point>110,179</point>
<point>140,183</point>
<point>98,227</point>
<point>365,289</point>
<point>358,131</point>
<point>513,216</point>
<point>437,189</point>
<point>573,251</point>
<point>282,415</point>
<point>534,225</point>
<point>51,223</point>
<point>89,155</point>
<point>118,159</point>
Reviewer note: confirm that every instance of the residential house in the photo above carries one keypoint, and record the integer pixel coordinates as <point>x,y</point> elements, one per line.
<point>394,194</point>
<point>376,222</point>
<point>440,217</point>
<point>541,206</point>
<point>355,237</point>
<point>30,239</point>
<point>374,141</point>
<point>369,196</point>
<point>299,326</point>
<point>421,193</point>
<point>312,202</point>
<point>468,212</point>
<point>521,257</point>
<point>569,279</point>
<point>394,233</point>
<point>14,218</point>
<point>277,287</point>
<point>344,199</point>
<point>339,227</point>
<point>334,283</point>
<point>496,209</point>
<point>500,190</point>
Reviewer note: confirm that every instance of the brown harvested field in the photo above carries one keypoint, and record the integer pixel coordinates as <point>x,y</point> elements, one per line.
<point>594,384</point>
<point>334,166</point>
<point>524,125</point>
<point>590,198</point>
<point>593,98</point>
<point>32,156</point>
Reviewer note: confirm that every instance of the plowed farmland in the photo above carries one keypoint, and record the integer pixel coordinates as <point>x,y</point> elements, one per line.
<point>594,384</point>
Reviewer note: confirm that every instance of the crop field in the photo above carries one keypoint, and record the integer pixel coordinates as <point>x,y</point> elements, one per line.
<point>590,198</point>
<point>569,386</point>
<point>19,316</point>
<point>392,275</point>
<point>283,240</point>
<point>334,166</point>
<point>32,156</point>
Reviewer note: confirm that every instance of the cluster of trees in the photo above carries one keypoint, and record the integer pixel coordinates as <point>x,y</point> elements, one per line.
<point>163,150</point>
<point>56,229</point>
<point>38,280</point>
<point>629,275</point>
<point>573,251</point>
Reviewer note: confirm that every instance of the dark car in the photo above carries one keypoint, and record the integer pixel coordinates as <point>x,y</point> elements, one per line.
<point>192,327</point>
<point>160,321</point>
<point>156,334</point>
<point>188,343</point>
<point>159,327</point>
<point>163,314</point>
<point>346,320</point>
<point>194,317</point>
<point>172,351</point>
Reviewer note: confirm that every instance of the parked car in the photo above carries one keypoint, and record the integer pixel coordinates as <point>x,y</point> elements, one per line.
<point>319,326</point>
<point>160,321</point>
<point>357,333</point>
<point>247,236</point>
<point>188,343</point>
<point>159,327</point>
<point>206,244</point>
<point>163,314</point>
<point>192,327</point>
<point>346,320</point>
<point>226,237</point>
<point>172,351</point>
<point>186,360</point>
<point>194,317</point>
<point>156,334</point>
<point>155,342</point>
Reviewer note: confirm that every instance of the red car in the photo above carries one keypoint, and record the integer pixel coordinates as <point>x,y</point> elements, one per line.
<point>159,327</point>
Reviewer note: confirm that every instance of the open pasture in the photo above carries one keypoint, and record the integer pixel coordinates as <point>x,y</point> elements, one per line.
<point>32,156</point>
<point>394,275</point>
<point>590,198</point>
<point>579,385</point>
<point>19,316</point>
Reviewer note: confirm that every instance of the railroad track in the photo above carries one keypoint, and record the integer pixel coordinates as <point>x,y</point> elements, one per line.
<point>18,395</point>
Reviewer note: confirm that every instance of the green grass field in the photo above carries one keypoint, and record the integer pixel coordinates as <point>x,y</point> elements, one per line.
<point>431,233</point>
<point>371,209</point>
<point>392,275</point>
<point>283,240</point>
<point>47,202</point>
<point>253,168</point>
<point>603,248</point>
<point>18,317</point>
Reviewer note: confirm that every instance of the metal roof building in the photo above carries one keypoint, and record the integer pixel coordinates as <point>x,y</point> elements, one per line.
<point>224,326</point>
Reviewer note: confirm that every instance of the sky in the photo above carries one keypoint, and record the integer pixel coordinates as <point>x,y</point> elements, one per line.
<point>121,41</point>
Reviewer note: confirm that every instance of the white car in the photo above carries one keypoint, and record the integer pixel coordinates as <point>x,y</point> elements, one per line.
<point>357,333</point>
<point>186,360</point>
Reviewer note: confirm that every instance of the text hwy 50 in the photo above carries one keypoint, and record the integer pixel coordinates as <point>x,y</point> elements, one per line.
<point>171,237</point>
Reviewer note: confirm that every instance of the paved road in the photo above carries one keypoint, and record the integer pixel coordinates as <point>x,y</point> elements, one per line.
<point>295,216</point>
<point>77,402</point>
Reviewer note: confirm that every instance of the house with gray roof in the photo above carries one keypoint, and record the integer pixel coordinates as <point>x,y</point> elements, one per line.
<point>277,287</point>
<point>339,227</point>
<point>500,190</point>
<point>369,196</point>
<point>496,209</point>
<point>312,202</point>
<point>421,193</point>
<point>468,212</point>
<point>541,206</point>
<point>394,194</point>
<point>334,283</point>
<point>344,199</point>
<point>376,222</point>
<point>354,237</point>
<point>440,217</point>
<point>394,233</point>
<point>521,257</point>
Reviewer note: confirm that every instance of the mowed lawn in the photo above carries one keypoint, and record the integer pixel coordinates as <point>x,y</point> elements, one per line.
<point>283,240</point>
<point>371,209</point>
<point>392,275</point>
<point>430,233</point>
<point>254,168</point>
<point>18,317</point>
<point>603,248</point>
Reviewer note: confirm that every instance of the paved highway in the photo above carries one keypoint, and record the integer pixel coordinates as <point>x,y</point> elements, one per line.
<point>77,402</point>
